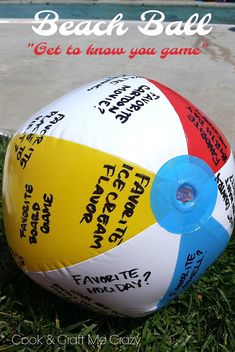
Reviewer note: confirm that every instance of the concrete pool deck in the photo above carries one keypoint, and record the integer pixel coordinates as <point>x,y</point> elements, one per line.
<point>29,82</point>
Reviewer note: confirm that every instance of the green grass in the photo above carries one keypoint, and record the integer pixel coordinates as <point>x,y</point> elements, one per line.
<point>201,319</point>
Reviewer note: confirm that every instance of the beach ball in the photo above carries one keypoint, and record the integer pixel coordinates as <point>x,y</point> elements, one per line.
<point>119,195</point>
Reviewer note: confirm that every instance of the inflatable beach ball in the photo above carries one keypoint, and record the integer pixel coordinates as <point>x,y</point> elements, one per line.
<point>119,195</point>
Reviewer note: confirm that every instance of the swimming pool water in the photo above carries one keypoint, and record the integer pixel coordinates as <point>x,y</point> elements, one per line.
<point>225,15</point>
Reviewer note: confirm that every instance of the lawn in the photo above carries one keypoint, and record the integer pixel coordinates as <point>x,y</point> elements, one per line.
<point>32,319</point>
